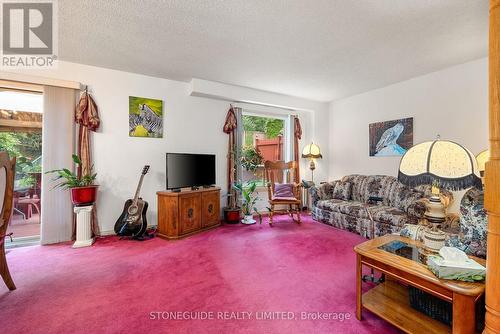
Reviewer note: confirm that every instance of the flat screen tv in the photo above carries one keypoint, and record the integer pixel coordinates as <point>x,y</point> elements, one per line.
<point>190,170</point>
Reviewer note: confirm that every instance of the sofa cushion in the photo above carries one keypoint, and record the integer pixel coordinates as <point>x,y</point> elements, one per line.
<point>355,209</point>
<point>374,188</point>
<point>325,190</point>
<point>329,204</point>
<point>342,190</point>
<point>358,186</point>
<point>392,216</point>
<point>351,208</point>
<point>392,192</point>
<point>474,220</point>
<point>380,213</point>
<point>472,236</point>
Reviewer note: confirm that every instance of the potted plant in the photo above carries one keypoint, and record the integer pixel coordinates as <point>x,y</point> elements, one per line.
<point>82,189</point>
<point>232,211</point>
<point>249,199</point>
<point>251,158</point>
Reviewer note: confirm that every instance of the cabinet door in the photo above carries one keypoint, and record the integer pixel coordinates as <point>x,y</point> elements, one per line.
<point>189,213</point>
<point>210,208</point>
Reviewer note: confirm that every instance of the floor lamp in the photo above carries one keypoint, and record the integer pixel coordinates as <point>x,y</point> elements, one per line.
<point>311,152</point>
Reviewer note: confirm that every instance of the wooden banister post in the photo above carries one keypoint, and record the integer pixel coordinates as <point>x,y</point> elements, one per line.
<point>492,177</point>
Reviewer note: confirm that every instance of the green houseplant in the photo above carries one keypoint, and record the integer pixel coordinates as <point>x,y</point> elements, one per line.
<point>82,188</point>
<point>251,158</point>
<point>249,199</point>
<point>232,211</point>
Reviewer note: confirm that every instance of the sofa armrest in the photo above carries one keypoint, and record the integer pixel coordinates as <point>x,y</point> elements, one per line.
<point>322,192</point>
<point>416,209</point>
<point>314,193</point>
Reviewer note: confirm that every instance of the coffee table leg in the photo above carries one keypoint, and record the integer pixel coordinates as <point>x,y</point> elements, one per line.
<point>464,314</point>
<point>358,287</point>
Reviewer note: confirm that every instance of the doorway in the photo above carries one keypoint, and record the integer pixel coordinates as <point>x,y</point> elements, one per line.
<point>21,114</point>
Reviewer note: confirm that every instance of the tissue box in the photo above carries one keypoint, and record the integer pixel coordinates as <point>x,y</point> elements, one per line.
<point>469,271</point>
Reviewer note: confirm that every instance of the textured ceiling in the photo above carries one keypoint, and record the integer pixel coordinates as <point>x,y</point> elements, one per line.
<point>316,49</point>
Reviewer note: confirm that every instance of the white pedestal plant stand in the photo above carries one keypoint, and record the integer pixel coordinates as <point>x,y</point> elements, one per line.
<point>83,229</point>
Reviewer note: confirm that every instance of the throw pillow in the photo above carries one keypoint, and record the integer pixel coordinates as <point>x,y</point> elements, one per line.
<point>342,190</point>
<point>283,190</point>
<point>325,190</point>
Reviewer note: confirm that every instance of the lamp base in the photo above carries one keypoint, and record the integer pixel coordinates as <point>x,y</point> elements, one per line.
<point>434,239</point>
<point>312,167</point>
<point>436,215</point>
<point>435,211</point>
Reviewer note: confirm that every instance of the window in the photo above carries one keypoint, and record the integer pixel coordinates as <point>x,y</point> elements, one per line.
<point>264,138</point>
<point>21,136</point>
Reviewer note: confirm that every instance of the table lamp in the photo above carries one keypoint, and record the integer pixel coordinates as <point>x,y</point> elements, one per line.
<point>482,158</point>
<point>312,151</point>
<point>444,164</point>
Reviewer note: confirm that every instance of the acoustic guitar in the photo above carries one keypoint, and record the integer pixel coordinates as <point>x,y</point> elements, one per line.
<point>132,221</point>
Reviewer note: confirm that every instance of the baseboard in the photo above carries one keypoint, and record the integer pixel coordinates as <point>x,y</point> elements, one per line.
<point>112,232</point>
<point>106,233</point>
<point>22,242</point>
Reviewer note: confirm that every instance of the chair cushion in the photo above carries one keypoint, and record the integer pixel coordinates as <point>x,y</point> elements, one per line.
<point>283,190</point>
<point>342,190</point>
<point>284,199</point>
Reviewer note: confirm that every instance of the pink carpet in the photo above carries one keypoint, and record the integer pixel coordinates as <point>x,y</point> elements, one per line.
<point>114,286</point>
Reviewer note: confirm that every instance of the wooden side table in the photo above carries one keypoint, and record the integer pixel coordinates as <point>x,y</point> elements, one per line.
<point>390,300</point>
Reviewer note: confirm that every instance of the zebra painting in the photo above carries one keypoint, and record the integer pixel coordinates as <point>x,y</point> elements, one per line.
<point>133,121</point>
<point>151,122</point>
<point>145,117</point>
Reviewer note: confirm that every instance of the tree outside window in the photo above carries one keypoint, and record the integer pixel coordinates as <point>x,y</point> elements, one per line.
<point>262,140</point>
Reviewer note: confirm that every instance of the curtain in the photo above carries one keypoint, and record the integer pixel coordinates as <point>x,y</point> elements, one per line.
<point>233,128</point>
<point>87,118</point>
<point>57,146</point>
<point>229,128</point>
<point>238,143</point>
<point>297,135</point>
<point>86,115</point>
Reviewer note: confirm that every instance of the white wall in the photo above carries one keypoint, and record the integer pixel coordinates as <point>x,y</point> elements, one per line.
<point>191,124</point>
<point>451,102</point>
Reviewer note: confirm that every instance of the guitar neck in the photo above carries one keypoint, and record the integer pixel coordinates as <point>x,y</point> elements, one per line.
<point>138,190</point>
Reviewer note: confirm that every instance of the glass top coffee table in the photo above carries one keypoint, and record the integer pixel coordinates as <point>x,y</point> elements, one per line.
<point>409,251</point>
<point>402,261</point>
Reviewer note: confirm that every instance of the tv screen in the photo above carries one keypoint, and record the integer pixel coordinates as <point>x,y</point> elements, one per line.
<point>190,170</point>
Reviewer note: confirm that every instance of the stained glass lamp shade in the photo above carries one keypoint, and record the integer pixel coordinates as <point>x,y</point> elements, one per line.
<point>482,158</point>
<point>312,151</point>
<point>444,164</point>
<point>447,163</point>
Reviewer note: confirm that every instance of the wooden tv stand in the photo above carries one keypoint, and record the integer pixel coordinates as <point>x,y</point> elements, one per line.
<point>183,213</point>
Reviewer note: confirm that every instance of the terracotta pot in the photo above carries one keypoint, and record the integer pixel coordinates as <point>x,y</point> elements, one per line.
<point>81,196</point>
<point>232,216</point>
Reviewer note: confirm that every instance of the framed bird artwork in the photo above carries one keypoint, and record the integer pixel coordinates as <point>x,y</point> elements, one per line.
<point>391,138</point>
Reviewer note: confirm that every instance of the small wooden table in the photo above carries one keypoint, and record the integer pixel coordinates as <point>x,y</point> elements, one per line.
<point>390,300</point>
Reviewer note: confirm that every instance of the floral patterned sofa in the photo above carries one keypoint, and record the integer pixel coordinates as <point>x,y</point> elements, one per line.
<point>345,204</point>
<point>473,225</point>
